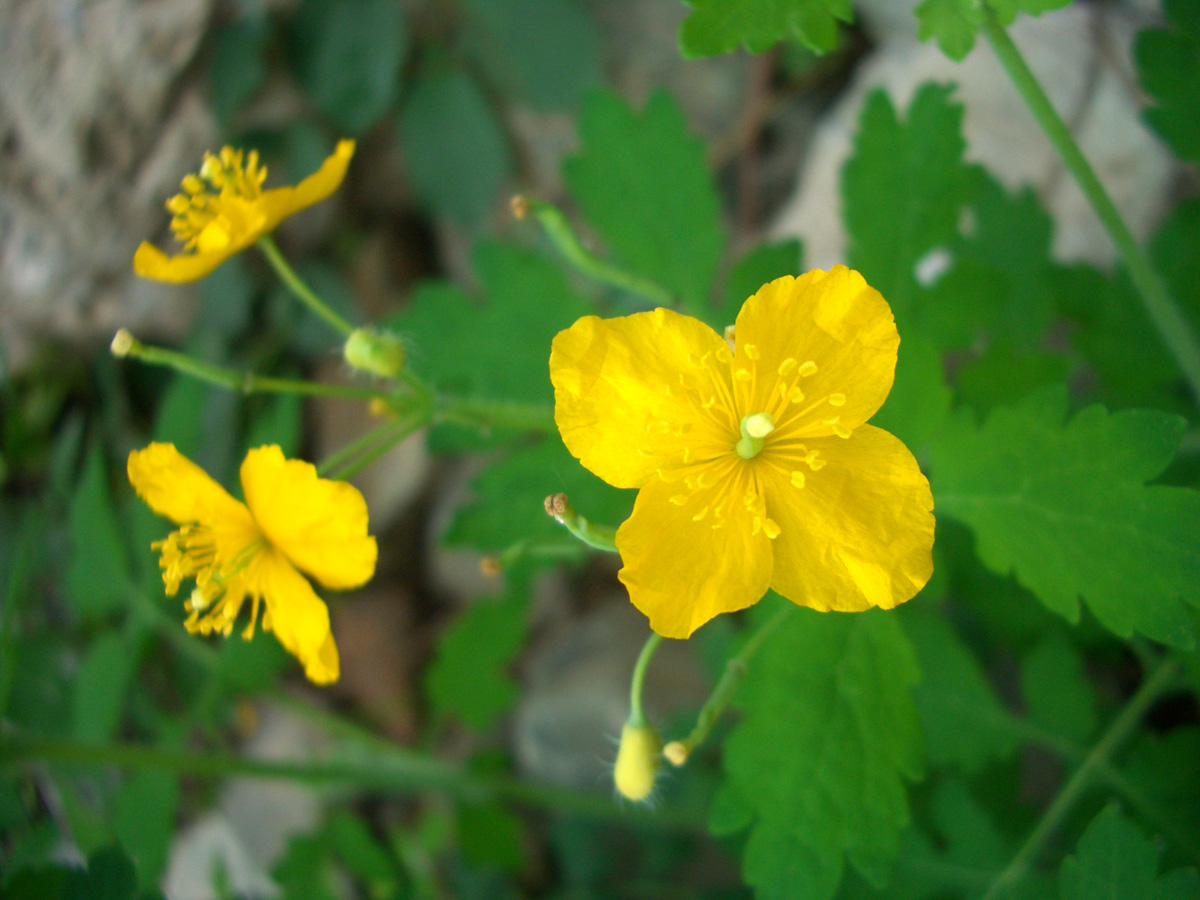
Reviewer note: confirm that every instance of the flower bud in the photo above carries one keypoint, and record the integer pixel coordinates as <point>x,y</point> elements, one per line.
<point>676,753</point>
<point>380,354</point>
<point>638,761</point>
<point>122,343</point>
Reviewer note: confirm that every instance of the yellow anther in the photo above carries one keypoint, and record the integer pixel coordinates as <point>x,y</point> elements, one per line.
<point>798,479</point>
<point>757,526</point>
<point>837,427</point>
<point>786,366</point>
<point>837,399</point>
<point>700,515</point>
<point>815,462</point>
<point>679,499</point>
<point>759,425</point>
<point>795,395</point>
<point>771,528</point>
<point>730,335</point>
<point>192,184</point>
<point>706,479</point>
<point>710,402</point>
<point>723,355</point>
<point>752,351</point>
<point>809,368</point>
<point>742,375</point>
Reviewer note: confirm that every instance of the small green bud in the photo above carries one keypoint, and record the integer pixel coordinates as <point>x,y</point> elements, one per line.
<point>370,351</point>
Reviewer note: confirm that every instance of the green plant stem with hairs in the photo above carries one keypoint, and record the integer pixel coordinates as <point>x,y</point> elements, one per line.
<point>1165,315</point>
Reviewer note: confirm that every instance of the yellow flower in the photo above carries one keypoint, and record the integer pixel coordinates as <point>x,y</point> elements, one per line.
<point>291,520</point>
<point>755,464</point>
<point>223,210</point>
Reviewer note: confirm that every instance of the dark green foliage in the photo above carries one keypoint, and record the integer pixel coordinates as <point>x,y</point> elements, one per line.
<point>1114,860</point>
<point>1168,61</point>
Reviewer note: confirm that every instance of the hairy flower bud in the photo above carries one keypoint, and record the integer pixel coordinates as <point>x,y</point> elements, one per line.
<point>638,761</point>
<point>370,351</point>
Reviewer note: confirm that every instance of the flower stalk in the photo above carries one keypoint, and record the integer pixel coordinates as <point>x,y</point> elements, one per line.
<point>567,242</point>
<point>300,288</point>
<point>602,537</point>
<point>1173,328</point>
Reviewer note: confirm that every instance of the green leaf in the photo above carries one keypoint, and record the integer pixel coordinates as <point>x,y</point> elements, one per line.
<point>1168,61</point>
<point>918,404</point>
<point>456,152</point>
<point>718,26</point>
<point>362,853</point>
<point>469,678</point>
<point>545,50</point>
<point>1114,860</point>
<point>490,835</point>
<point>303,871</point>
<point>467,347</point>
<point>955,23</point>
<point>347,55</point>
<point>1066,508</point>
<point>277,421</point>
<point>816,766</point>
<point>97,576</point>
<point>101,686</point>
<point>110,875</point>
<point>644,186</point>
<point>144,820</point>
<point>764,263</point>
<point>962,718</point>
<point>1057,693</point>
<point>904,189</point>
<point>509,494</point>
<point>1166,768</point>
<point>238,67</point>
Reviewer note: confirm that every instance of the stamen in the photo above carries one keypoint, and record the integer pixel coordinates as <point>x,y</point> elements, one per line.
<point>752,351</point>
<point>837,399</point>
<point>815,462</point>
<point>742,375</point>
<point>700,515</point>
<point>771,529</point>
<point>786,366</point>
<point>798,479</point>
<point>808,369</point>
<point>838,428</point>
<point>795,395</point>
<point>724,355</point>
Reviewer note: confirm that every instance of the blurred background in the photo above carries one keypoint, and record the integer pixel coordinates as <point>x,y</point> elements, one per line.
<point>456,105</point>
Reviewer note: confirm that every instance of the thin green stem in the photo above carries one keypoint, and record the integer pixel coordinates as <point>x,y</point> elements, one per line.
<point>677,752</point>
<point>401,429</point>
<point>601,537</point>
<point>1159,682</point>
<point>1173,328</point>
<point>397,771</point>
<point>241,382</point>
<point>299,288</point>
<point>488,414</point>
<point>636,718</point>
<point>567,242</point>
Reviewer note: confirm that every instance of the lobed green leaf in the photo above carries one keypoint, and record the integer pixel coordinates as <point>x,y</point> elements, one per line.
<point>1067,509</point>
<point>1168,61</point>
<point>719,26</point>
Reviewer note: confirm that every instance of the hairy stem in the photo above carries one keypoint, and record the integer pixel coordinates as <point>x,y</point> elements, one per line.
<point>299,288</point>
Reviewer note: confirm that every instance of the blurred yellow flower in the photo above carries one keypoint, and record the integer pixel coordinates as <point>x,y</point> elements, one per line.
<point>223,210</point>
<point>755,464</point>
<point>291,520</point>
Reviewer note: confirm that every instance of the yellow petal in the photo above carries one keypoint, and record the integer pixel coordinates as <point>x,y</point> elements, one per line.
<point>837,323</point>
<point>174,486</point>
<point>279,203</point>
<point>150,262</point>
<point>297,616</point>
<point>320,525</point>
<point>860,532</point>
<point>679,569</point>
<point>619,400</point>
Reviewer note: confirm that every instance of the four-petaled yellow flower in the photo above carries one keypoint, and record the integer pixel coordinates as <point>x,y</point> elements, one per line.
<point>223,210</point>
<point>755,464</point>
<point>291,520</point>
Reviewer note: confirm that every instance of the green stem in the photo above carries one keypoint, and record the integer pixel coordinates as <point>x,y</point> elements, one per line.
<point>718,700</point>
<point>636,718</point>
<point>401,429</point>
<point>1160,681</point>
<point>297,286</point>
<point>567,242</point>
<point>487,414</point>
<point>397,771</point>
<point>1173,328</point>
<point>241,382</point>
<point>602,537</point>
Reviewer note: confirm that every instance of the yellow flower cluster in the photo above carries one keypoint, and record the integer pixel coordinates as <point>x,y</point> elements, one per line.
<point>223,210</point>
<point>755,465</point>
<point>291,520</point>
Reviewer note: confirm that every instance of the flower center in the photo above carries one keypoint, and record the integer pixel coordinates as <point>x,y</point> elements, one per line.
<point>192,552</point>
<point>219,202</point>
<point>755,429</point>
